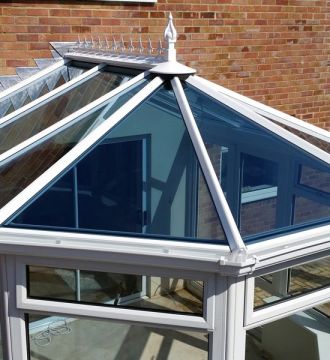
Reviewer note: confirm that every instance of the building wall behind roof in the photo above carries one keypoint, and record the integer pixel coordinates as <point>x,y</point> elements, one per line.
<point>275,51</point>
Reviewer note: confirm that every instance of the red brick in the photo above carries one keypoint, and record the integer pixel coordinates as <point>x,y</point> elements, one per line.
<point>17,63</point>
<point>253,46</point>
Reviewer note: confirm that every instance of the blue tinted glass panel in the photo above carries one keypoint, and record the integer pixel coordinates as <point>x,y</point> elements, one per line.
<point>143,177</point>
<point>23,169</point>
<point>30,123</point>
<point>258,170</point>
<point>258,194</point>
<point>316,179</point>
<point>322,144</point>
<point>56,207</point>
<point>306,210</point>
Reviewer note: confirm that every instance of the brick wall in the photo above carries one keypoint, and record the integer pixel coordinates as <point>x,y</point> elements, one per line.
<point>275,51</point>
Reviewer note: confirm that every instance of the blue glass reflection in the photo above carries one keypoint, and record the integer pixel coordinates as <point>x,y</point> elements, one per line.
<point>143,177</point>
<point>261,173</point>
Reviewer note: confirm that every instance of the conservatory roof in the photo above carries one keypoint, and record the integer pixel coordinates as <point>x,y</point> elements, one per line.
<point>117,139</point>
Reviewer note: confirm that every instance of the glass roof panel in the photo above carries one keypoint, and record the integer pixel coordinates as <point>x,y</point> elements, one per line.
<point>40,87</point>
<point>263,176</point>
<point>23,169</point>
<point>324,145</point>
<point>30,123</point>
<point>142,178</point>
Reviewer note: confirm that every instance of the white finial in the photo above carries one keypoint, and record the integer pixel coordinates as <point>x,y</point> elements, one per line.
<point>170,35</point>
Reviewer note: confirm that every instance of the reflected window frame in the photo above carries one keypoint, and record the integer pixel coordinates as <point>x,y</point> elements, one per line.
<point>254,317</point>
<point>203,321</point>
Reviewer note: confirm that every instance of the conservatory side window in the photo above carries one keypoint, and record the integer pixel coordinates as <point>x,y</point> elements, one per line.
<point>115,289</point>
<point>291,282</point>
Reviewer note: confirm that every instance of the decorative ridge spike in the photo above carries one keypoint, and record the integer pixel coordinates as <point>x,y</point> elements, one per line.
<point>170,35</point>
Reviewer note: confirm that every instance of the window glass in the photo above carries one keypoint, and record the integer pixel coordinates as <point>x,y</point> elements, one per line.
<point>40,87</point>
<point>143,177</point>
<point>322,144</point>
<point>62,105</point>
<point>258,195</point>
<point>291,282</point>
<point>302,336</point>
<point>112,289</point>
<point>22,170</point>
<point>314,178</point>
<point>306,210</point>
<point>86,339</point>
<point>261,176</point>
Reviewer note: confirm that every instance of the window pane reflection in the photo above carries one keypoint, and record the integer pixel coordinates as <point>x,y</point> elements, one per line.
<point>85,339</point>
<point>291,282</point>
<point>112,289</point>
<point>315,178</point>
<point>63,105</point>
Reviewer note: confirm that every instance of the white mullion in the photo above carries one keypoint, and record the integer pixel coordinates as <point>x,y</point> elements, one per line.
<point>66,122</point>
<point>271,113</point>
<point>38,184</point>
<point>4,314</point>
<point>39,75</point>
<point>235,332</point>
<point>234,238</point>
<point>246,111</point>
<point>217,342</point>
<point>8,119</point>
<point>16,316</point>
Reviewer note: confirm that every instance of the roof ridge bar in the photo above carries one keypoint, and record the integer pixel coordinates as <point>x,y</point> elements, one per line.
<point>40,74</point>
<point>27,144</point>
<point>272,113</point>
<point>12,116</point>
<point>69,158</point>
<point>235,241</point>
<point>246,111</point>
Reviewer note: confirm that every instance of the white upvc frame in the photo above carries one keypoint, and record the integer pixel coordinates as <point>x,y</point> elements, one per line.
<point>284,307</point>
<point>115,249</point>
<point>12,117</point>
<point>67,121</point>
<point>233,236</point>
<point>271,113</point>
<point>27,82</point>
<point>235,332</point>
<point>4,318</point>
<point>288,246</point>
<point>260,120</point>
<point>42,181</point>
<point>150,317</point>
<point>273,312</point>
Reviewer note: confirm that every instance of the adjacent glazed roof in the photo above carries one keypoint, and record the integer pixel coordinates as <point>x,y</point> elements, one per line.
<point>162,153</point>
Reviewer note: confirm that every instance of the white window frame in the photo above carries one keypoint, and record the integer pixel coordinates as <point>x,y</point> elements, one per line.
<point>256,317</point>
<point>204,322</point>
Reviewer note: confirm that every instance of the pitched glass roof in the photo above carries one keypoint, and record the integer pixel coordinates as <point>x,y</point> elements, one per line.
<point>142,177</point>
<point>261,160</point>
<point>54,78</point>
<point>22,168</point>
<point>162,155</point>
<point>23,126</point>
